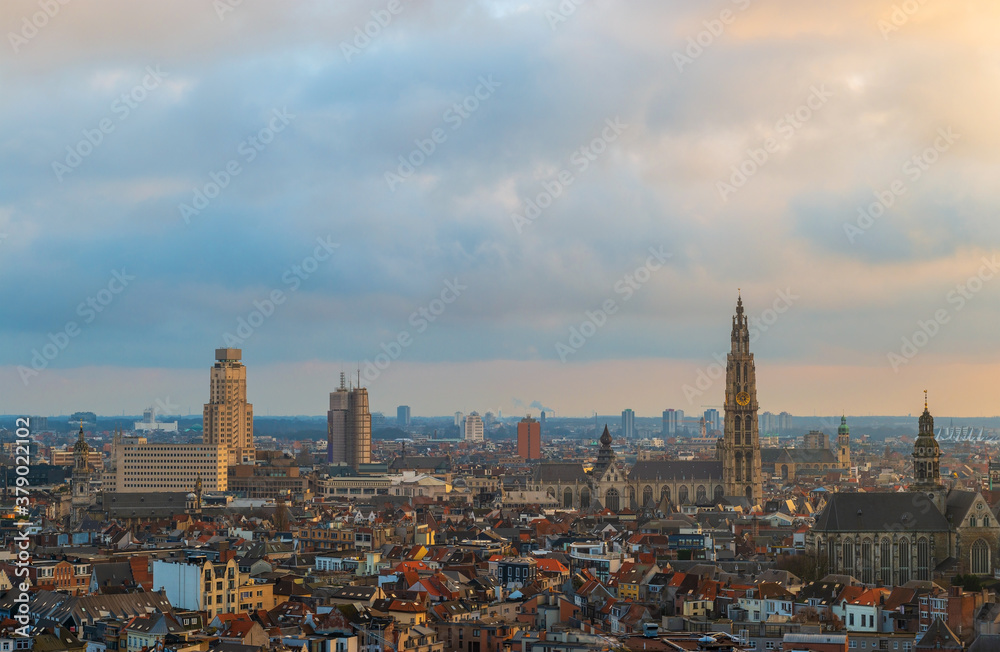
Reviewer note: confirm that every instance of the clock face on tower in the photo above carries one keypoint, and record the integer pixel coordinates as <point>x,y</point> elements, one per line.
<point>743,398</point>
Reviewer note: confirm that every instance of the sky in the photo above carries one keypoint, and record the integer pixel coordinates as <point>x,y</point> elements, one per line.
<point>499,205</point>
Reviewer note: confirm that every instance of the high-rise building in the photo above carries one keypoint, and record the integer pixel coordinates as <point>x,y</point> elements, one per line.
<point>739,448</point>
<point>403,416</point>
<point>542,419</point>
<point>227,417</point>
<point>784,423</point>
<point>529,439</point>
<point>768,424</point>
<point>459,419</point>
<point>712,420</point>
<point>473,428</point>
<point>673,422</point>
<point>349,426</point>
<point>628,424</point>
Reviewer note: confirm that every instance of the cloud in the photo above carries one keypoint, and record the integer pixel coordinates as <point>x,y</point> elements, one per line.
<point>656,185</point>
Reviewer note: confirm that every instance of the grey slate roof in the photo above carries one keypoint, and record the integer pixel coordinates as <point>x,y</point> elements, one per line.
<point>881,512</point>
<point>676,469</point>
<point>559,472</point>
<point>958,503</point>
<point>808,456</point>
<point>89,608</point>
<point>111,574</point>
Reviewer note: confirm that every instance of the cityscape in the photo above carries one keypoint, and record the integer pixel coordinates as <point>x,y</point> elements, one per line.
<point>499,326</point>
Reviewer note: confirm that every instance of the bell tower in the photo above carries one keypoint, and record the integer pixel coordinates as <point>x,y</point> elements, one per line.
<point>80,482</point>
<point>926,455</point>
<point>740,446</point>
<point>844,444</point>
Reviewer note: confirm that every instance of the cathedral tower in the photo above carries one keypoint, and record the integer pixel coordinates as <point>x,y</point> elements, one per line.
<point>926,455</point>
<point>740,446</point>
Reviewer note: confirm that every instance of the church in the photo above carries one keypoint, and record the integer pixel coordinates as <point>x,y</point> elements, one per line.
<point>892,538</point>
<point>735,474</point>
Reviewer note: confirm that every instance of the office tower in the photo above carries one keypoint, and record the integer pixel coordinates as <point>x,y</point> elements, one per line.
<point>473,428</point>
<point>628,424</point>
<point>458,419</point>
<point>739,449</point>
<point>529,439</point>
<point>403,416</point>
<point>541,420</point>
<point>349,426</point>
<point>712,420</point>
<point>227,417</point>
<point>784,422</point>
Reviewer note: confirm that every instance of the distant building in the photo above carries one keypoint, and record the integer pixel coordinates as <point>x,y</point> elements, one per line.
<point>459,419</point>
<point>628,424</point>
<point>473,428</point>
<point>86,417</point>
<point>529,439</point>
<point>403,416</point>
<point>149,422</point>
<point>673,422</point>
<point>816,439</point>
<point>712,420</point>
<point>227,417</point>
<point>349,426</point>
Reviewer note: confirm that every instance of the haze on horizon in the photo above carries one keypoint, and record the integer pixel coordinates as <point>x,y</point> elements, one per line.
<point>837,164</point>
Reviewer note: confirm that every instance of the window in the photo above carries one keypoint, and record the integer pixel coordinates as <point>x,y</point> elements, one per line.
<point>979,558</point>
<point>769,645</point>
<point>923,559</point>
